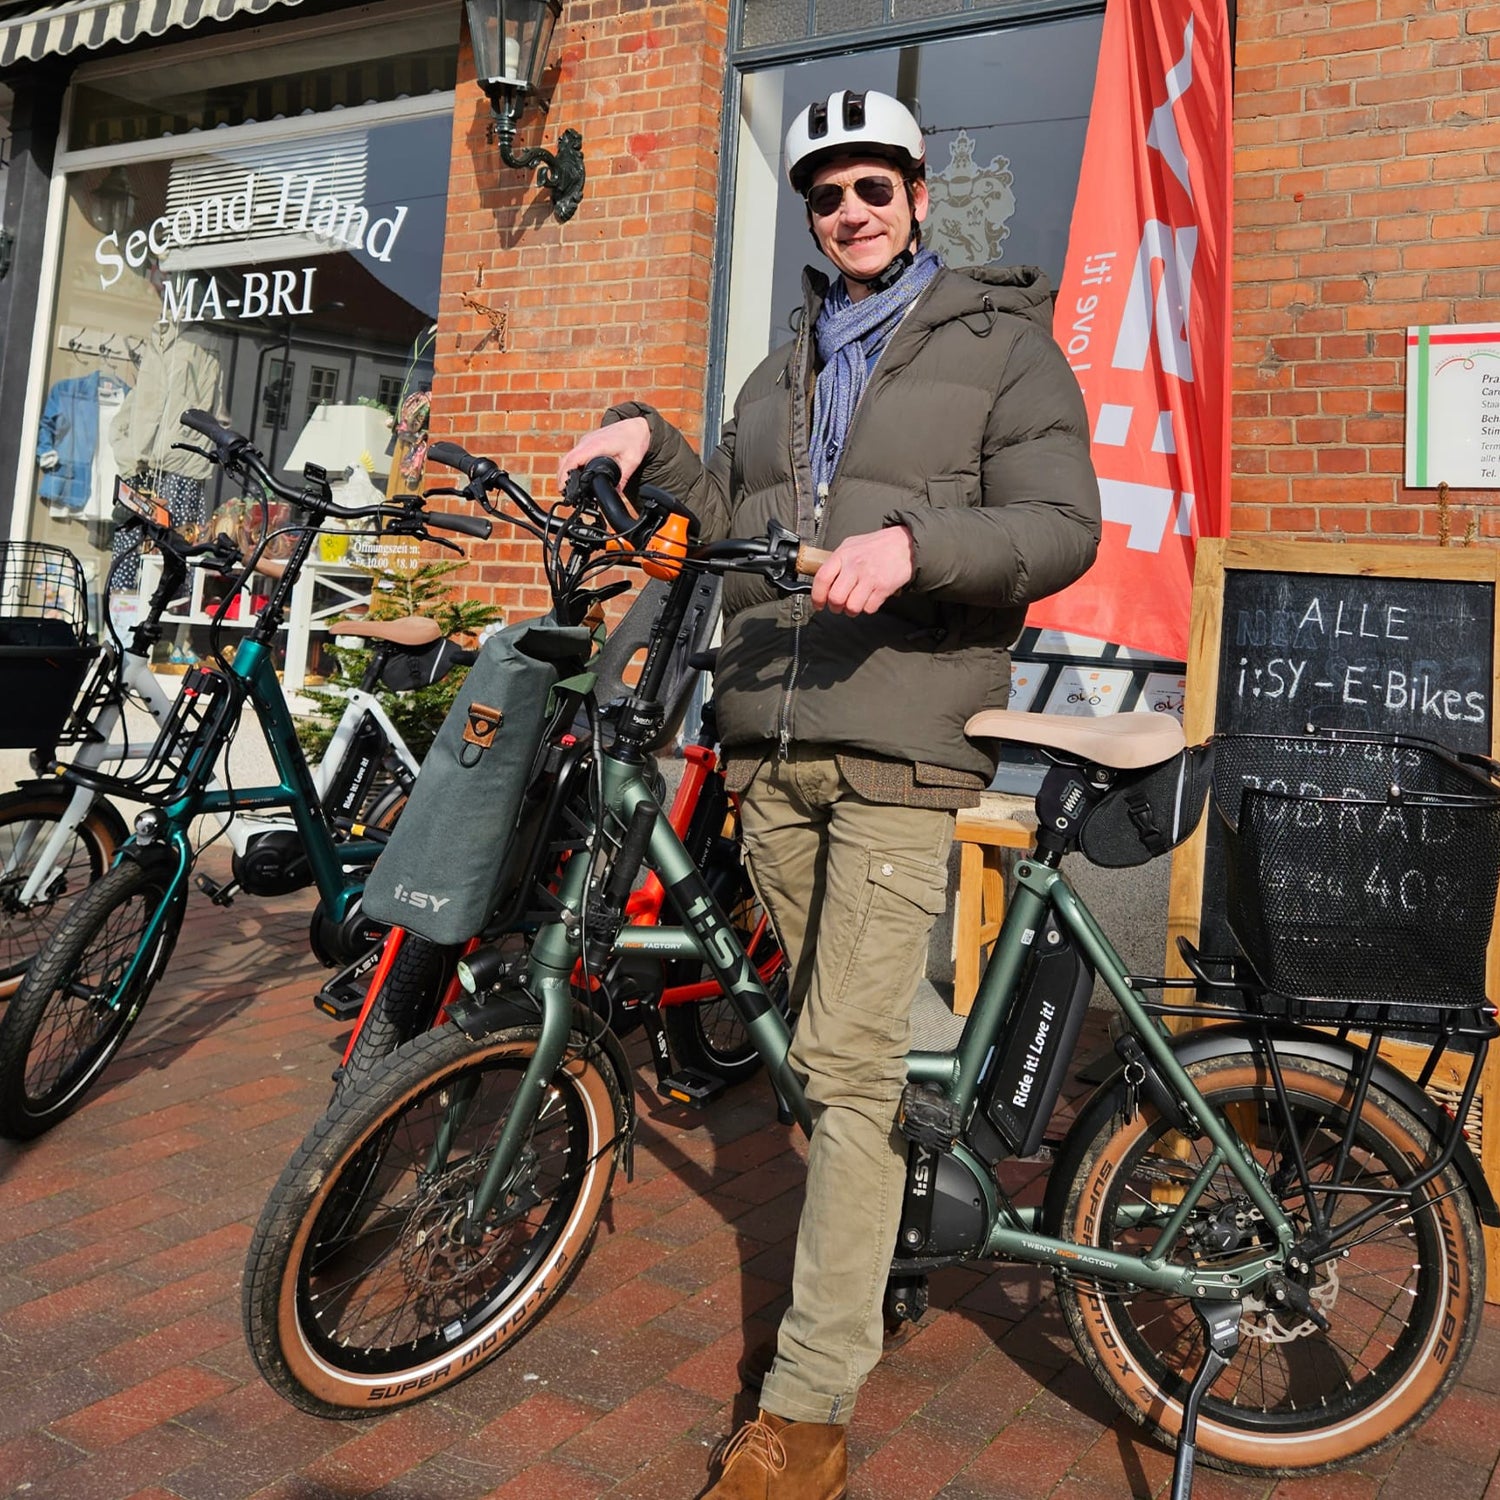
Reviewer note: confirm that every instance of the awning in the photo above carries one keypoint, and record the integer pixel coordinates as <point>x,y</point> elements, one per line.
<point>57,29</point>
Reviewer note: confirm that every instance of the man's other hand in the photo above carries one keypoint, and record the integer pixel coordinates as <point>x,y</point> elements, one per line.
<point>864,571</point>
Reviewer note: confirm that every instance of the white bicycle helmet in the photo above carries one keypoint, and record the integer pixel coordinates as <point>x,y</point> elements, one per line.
<point>850,123</point>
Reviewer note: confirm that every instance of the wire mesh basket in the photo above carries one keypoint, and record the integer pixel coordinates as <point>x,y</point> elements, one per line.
<point>1361,871</point>
<point>45,646</point>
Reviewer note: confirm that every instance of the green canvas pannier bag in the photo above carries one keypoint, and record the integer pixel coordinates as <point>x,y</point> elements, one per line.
<point>439,874</point>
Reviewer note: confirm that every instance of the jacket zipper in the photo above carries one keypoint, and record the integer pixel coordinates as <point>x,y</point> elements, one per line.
<point>797,408</point>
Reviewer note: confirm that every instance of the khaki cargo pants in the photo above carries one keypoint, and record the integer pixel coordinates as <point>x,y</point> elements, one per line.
<point>853,887</point>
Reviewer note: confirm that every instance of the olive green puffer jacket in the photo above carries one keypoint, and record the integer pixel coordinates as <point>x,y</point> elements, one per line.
<point>971,432</point>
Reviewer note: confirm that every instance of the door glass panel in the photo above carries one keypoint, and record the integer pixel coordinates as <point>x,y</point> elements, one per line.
<point>1004,115</point>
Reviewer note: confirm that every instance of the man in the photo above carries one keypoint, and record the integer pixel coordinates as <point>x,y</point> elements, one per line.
<point>924,426</point>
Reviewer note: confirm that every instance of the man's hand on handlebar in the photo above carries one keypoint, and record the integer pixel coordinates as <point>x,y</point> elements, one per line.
<point>627,443</point>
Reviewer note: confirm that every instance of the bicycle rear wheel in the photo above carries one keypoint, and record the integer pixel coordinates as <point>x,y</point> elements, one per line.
<point>29,816</point>
<point>361,1292</point>
<point>81,995</point>
<point>1402,1295</point>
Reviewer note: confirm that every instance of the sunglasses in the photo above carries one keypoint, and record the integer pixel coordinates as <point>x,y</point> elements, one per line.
<point>828,197</point>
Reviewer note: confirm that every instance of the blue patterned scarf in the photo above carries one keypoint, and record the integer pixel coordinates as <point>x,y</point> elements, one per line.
<point>851,336</point>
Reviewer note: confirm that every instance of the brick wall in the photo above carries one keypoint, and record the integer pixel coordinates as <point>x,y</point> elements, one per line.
<point>1367,186</point>
<point>613,303</point>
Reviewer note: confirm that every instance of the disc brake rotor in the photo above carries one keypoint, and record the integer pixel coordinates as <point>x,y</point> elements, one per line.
<point>1263,1323</point>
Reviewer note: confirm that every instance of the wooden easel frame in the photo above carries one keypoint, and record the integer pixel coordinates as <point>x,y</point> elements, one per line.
<point>1217,556</point>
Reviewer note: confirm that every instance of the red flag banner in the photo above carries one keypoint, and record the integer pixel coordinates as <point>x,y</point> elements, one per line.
<point>1143,316</point>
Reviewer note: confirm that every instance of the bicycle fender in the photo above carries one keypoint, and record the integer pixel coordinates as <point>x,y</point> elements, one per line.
<point>1291,1041</point>
<point>160,858</point>
<point>101,808</point>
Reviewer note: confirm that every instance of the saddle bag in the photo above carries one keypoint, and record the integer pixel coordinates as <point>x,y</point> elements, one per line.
<point>1147,813</point>
<point>446,859</point>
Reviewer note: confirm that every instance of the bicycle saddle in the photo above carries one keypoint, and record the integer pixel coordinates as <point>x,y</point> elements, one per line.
<point>411,631</point>
<point>1124,742</point>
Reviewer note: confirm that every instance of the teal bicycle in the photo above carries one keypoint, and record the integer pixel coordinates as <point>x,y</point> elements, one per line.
<point>86,983</point>
<point>1266,1239</point>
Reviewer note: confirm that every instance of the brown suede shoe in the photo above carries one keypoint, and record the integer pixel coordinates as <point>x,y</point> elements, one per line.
<point>773,1459</point>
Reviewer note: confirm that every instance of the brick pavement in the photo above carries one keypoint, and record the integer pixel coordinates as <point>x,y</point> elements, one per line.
<point>123,1373</point>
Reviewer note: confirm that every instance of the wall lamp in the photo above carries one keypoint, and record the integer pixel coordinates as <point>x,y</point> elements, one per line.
<point>510,40</point>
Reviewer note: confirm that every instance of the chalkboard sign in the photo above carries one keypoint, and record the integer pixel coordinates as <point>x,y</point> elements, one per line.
<point>1303,651</point>
<point>1299,636</point>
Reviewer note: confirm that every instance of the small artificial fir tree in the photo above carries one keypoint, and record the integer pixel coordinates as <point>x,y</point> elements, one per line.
<point>419,590</point>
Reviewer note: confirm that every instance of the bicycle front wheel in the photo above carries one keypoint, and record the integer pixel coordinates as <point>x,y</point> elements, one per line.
<point>1402,1295</point>
<point>81,995</point>
<point>407,1004</point>
<point>29,816</point>
<point>366,1287</point>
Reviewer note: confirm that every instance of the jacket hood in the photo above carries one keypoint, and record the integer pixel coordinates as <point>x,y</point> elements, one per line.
<point>1021,291</point>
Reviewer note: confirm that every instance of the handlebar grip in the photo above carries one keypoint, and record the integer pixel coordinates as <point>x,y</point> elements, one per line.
<point>447,521</point>
<point>221,437</point>
<point>810,559</point>
<point>602,475</point>
<point>451,456</point>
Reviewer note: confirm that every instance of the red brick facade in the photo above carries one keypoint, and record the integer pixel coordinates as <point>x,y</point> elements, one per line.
<point>613,303</point>
<point>1367,189</point>
<point>1367,183</point>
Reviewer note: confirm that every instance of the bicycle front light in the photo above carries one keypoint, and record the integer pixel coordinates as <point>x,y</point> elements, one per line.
<point>479,971</point>
<point>149,826</point>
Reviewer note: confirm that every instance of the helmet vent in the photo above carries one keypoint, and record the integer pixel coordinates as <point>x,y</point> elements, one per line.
<point>817,121</point>
<point>854,111</point>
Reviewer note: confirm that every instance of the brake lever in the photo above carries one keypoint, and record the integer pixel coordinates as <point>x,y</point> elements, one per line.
<point>783,545</point>
<point>224,558</point>
<point>207,453</point>
<point>412,524</point>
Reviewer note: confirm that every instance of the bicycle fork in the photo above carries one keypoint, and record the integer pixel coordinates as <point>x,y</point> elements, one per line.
<point>555,951</point>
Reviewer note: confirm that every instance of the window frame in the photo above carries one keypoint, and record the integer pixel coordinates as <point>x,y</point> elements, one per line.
<point>68,161</point>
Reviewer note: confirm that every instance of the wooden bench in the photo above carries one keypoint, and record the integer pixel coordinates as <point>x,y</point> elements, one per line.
<point>983,834</point>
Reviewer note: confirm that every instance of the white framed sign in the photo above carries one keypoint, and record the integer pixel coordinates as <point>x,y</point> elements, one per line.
<point>1453,406</point>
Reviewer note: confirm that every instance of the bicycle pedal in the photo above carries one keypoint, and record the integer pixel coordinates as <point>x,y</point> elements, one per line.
<point>220,893</point>
<point>341,1001</point>
<point>687,1086</point>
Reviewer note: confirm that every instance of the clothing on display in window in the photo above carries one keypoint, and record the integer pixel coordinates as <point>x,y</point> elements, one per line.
<point>176,373</point>
<point>78,471</point>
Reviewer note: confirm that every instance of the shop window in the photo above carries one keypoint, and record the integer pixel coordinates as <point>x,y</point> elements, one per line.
<point>322,388</point>
<point>266,274</point>
<point>1003,114</point>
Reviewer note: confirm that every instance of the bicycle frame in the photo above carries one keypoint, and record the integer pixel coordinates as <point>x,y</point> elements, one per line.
<point>708,936</point>
<point>198,793</point>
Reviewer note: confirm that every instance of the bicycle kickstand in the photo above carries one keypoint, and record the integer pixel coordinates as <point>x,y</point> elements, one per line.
<point>1220,1322</point>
